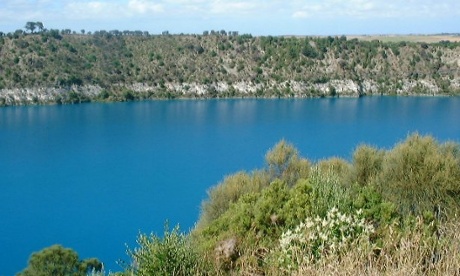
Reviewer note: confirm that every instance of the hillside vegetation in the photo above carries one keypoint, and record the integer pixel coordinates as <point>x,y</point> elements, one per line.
<point>60,67</point>
<point>386,212</point>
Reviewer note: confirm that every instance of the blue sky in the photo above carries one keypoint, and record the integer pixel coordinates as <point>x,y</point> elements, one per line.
<point>258,17</point>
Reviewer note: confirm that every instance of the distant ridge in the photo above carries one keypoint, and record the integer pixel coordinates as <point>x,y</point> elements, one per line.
<point>57,67</point>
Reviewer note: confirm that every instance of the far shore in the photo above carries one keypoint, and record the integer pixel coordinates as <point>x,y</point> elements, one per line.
<point>433,38</point>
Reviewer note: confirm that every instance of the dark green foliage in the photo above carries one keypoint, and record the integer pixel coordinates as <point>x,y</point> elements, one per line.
<point>72,80</point>
<point>128,95</point>
<point>268,209</point>
<point>373,205</point>
<point>299,204</point>
<point>309,51</point>
<point>59,261</point>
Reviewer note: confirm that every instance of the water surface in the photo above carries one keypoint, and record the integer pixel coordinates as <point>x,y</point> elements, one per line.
<point>92,176</point>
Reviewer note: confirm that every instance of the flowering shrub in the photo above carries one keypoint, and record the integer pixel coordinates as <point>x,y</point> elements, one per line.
<point>318,237</point>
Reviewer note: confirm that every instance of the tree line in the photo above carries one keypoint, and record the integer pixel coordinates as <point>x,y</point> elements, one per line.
<point>36,27</point>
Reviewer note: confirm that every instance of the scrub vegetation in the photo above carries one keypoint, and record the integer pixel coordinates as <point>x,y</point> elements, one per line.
<point>40,66</point>
<point>390,212</point>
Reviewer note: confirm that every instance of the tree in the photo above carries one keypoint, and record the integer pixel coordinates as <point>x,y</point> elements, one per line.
<point>31,26</point>
<point>59,261</point>
<point>54,33</point>
<point>40,26</point>
<point>66,31</point>
<point>280,157</point>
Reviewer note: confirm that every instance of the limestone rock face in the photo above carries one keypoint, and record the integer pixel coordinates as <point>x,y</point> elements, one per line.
<point>296,89</point>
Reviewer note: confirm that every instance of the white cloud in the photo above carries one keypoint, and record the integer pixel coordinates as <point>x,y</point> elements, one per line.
<point>300,14</point>
<point>375,8</point>
<point>269,14</point>
<point>92,9</point>
<point>229,7</point>
<point>111,9</point>
<point>16,9</point>
<point>144,6</point>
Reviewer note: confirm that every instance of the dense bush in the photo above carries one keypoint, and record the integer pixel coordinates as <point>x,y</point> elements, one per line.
<point>420,175</point>
<point>59,261</point>
<point>172,254</point>
<point>229,191</point>
<point>367,163</point>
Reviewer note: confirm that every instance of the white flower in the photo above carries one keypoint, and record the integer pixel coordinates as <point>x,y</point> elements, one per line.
<point>300,243</point>
<point>323,236</point>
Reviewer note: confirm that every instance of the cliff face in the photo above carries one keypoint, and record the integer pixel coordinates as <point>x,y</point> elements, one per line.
<point>44,68</point>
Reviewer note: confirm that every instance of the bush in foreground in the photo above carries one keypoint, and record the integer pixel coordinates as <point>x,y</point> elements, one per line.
<point>172,254</point>
<point>59,261</point>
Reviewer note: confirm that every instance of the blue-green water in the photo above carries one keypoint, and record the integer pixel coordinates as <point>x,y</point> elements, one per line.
<point>92,176</point>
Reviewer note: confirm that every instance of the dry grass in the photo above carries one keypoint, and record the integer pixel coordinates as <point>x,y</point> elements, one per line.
<point>408,38</point>
<point>413,254</point>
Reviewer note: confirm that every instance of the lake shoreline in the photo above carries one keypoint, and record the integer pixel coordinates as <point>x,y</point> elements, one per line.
<point>289,90</point>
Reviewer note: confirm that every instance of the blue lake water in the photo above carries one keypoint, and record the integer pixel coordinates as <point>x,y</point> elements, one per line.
<point>92,176</point>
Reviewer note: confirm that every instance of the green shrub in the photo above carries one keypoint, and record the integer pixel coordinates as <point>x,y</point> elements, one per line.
<point>326,192</point>
<point>336,166</point>
<point>298,207</point>
<point>367,163</point>
<point>420,175</point>
<point>279,157</point>
<point>173,254</point>
<point>268,208</point>
<point>229,191</point>
<point>57,260</point>
<point>371,202</point>
<point>284,163</point>
<point>403,189</point>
